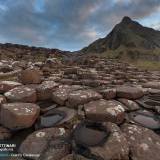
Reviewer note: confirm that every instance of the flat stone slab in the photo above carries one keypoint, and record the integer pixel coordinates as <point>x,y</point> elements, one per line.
<point>144,144</point>
<point>103,110</point>
<point>8,85</point>
<point>44,90</point>
<point>30,76</point>
<point>80,97</point>
<point>129,92</point>
<point>154,85</point>
<point>38,141</point>
<point>129,104</point>
<point>146,119</point>
<point>115,146</point>
<point>21,94</point>
<point>17,116</point>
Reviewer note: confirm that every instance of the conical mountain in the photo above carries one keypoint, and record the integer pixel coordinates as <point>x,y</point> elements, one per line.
<point>127,34</point>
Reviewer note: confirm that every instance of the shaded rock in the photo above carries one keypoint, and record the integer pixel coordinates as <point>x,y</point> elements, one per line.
<point>89,134</point>
<point>61,94</point>
<point>108,93</point>
<point>115,146</point>
<point>44,90</point>
<point>144,144</point>
<point>8,85</point>
<point>16,158</point>
<point>46,106</point>
<point>38,142</point>
<point>66,81</point>
<point>155,97</point>
<point>10,75</point>
<point>154,85</point>
<point>102,110</point>
<point>154,91</point>
<point>30,76</point>
<point>21,94</point>
<point>150,102</point>
<point>72,70</point>
<point>90,82</point>
<point>74,157</point>
<point>18,115</point>
<point>57,149</point>
<point>129,104</point>
<point>129,92</point>
<point>118,82</point>
<point>79,97</point>
<point>6,68</point>
<point>146,119</point>
<point>2,99</point>
<point>4,133</point>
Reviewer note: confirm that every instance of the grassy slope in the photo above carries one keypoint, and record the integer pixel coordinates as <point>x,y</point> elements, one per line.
<point>136,57</point>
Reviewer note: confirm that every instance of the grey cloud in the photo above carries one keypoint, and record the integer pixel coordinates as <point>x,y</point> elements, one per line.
<point>66,24</point>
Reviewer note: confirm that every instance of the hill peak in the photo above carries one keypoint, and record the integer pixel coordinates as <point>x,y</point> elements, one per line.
<point>129,34</point>
<point>126,19</point>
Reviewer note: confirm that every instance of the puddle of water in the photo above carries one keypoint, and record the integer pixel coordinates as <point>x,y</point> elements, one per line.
<point>88,135</point>
<point>51,120</point>
<point>147,121</point>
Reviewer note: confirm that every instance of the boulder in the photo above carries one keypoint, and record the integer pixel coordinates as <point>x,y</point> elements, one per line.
<point>114,147</point>
<point>44,90</point>
<point>129,104</point>
<point>145,118</point>
<point>103,110</point>
<point>57,149</point>
<point>154,85</point>
<point>30,76</point>
<point>144,144</point>
<point>2,99</point>
<point>80,97</point>
<point>60,95</point>
<point>129,92</point>
<point>5,133</point>
<point>45,106</point>
<point>74,157</point>
<point>21,94</point>
<point>108,93</point>
<point>8,85</point>
<point>18,115</point>
<point>38,143</point>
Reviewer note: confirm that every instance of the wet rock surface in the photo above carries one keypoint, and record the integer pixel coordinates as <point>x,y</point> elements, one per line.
<point>88,109</point>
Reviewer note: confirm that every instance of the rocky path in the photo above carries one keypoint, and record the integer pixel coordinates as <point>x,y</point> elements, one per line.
<point>91,109</point>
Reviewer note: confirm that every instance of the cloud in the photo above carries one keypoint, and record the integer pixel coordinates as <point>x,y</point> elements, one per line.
<point>156,26</point>
<point>66,24</point>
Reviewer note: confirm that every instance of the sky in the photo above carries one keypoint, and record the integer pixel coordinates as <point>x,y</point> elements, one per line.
<point>70,24</point>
